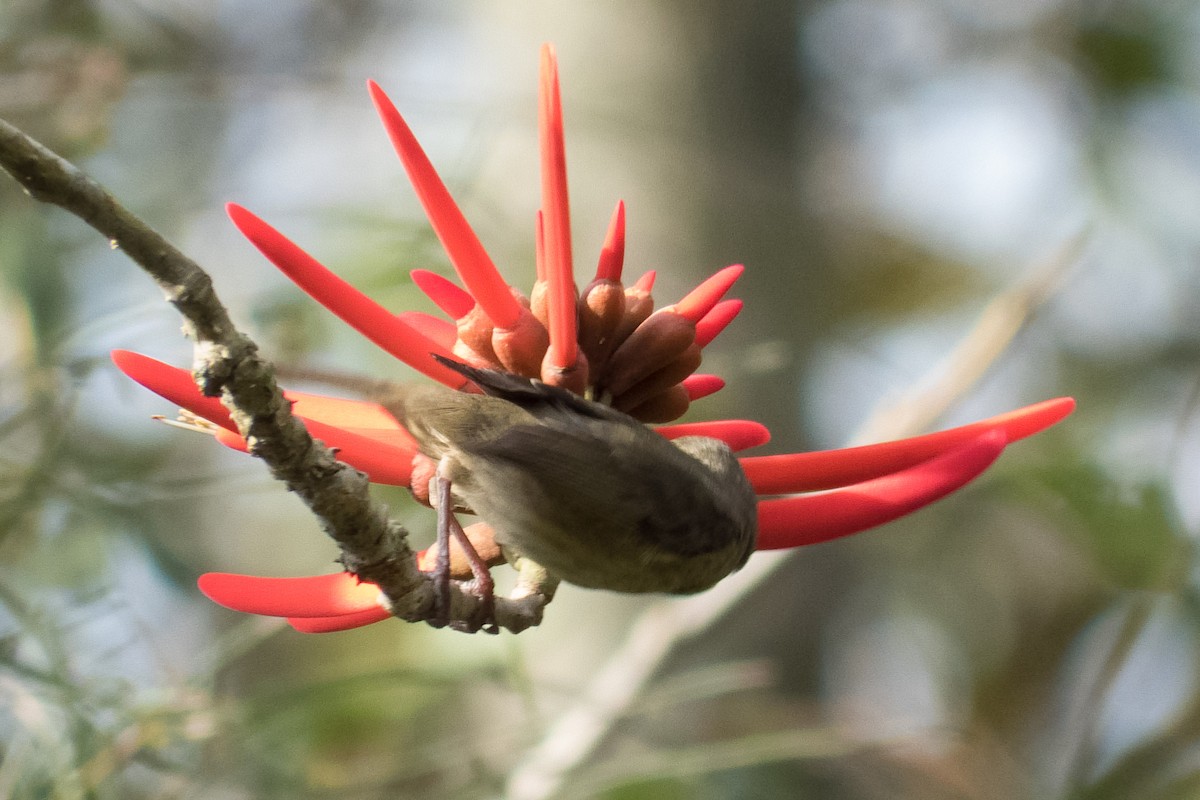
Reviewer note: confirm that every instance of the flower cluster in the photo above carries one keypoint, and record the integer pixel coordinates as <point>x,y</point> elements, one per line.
<point>606,341</point>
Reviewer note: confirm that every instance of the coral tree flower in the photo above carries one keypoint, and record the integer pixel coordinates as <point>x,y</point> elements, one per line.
<point>605,341</point>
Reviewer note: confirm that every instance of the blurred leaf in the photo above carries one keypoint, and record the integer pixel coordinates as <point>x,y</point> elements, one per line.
<point>1161,768</point>
<point>1133,531</point>
<point>884,277</point>
<point>1123,52</point>
<point>653,789</point>
<point>291,325</point>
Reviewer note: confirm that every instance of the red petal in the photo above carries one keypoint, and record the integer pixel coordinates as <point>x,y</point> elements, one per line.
<point>232,440</point>
<point>700,385</point>
<point>812,518</point>
<point>342,412</point>
<point>739,434</point>
<point>539,244</point>
<point>703,298</point>
<point>343,622</point>
<point>826,469</point>
<point>455,301</point>
<point>174,384</point>
<point>556,217</point>
<point>434,328</point>
<point>386,462</point>
<point>646,282</point>
<point>466,252</point>
<point>383,463</point>
<point>316,596</point>
<point>716,320</point>
<point>359,311</point>
<point>612,254</point>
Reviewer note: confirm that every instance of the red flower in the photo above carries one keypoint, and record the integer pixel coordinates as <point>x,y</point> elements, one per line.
<point>604,341</point>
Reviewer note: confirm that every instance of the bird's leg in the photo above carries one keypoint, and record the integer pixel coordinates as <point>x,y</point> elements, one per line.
<point>441,569</point>
<point>481,584</point>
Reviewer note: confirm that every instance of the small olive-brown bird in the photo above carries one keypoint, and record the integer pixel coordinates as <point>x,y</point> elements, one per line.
<point>589,493</point>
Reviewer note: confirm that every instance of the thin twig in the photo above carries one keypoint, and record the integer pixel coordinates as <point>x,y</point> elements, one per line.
<point>663,627</point>
<point>227,365</point>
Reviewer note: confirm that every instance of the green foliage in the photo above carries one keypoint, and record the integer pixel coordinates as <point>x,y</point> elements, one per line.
<point>1133,532</point>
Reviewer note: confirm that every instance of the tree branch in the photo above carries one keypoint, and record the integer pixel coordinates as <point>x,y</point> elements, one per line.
<point>227,365</point>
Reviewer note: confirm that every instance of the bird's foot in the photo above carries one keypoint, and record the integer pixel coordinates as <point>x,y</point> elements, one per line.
<point>483,618</point>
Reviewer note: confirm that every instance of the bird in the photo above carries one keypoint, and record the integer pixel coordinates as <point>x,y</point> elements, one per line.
<point>585,491</point>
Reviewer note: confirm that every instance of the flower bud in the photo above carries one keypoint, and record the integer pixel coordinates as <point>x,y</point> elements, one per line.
<point>521,348</point>
<point>663,407</point>
<point>574,379</point>
<point>657,342</point>
<point>481,537</point>
<point>660,380</point>
<point>475,331</point>
<point>601,311</point>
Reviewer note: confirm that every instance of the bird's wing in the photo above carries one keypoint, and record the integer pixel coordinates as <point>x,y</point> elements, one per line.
<point>593,470</point>
<point>538,398</point>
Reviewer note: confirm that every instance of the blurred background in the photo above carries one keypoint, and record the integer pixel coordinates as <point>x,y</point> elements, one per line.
<point>884,168</point>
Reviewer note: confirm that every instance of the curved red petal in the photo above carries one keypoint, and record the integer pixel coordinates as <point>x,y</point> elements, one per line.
<point>384,461</point>
<point>232,440</point>
<point>556,219</point>
<point>359,311</point>
<point>646,282</point>
<point>703,298</point>
<point>342,622</point>
<point>434,328</point>
<point>342,412</point>
<point>371,438</point>
<point>388,464</point>
<point>315,596</point>
<point>472,263</point>
<point>812,518</point>
<point>716,320</point>
<point>826,469</point>
<point>700,385</point>
<point>739,434</point>
<point>452,299</point>
<point>612,254</point>
<point>369,420</point>
<point>173,383</point>
<point>539,245</point>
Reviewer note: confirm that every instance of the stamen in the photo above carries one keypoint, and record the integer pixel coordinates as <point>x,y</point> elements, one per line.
<point>187,421</point>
